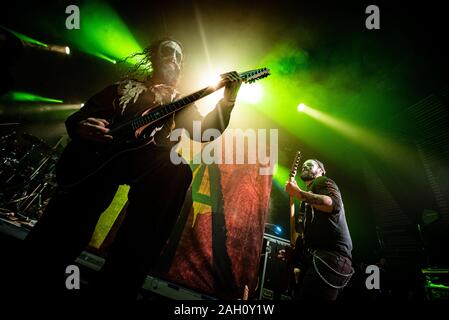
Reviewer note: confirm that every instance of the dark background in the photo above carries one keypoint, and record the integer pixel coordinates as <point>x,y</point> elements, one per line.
<point>408,57</point>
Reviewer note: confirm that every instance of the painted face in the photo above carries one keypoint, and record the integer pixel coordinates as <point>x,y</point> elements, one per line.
<point>168,67</point>
<point>170,51</point>
<point>310,170</point>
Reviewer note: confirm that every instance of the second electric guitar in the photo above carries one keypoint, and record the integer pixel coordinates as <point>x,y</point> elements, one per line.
<point>293,171</point>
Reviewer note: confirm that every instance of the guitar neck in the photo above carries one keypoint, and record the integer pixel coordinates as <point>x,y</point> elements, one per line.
<point>167,109</point>
<point>295,165</point>
<point>292,175</point>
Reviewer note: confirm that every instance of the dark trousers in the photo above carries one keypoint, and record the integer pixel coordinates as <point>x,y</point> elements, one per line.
<point>157,192</point>
<point>312,286</point>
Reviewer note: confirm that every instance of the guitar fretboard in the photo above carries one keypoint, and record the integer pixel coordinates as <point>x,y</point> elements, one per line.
<point>165,110</point>
<point>295,165</point>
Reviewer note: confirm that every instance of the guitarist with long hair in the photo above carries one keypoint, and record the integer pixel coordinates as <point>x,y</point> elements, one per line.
<point>157,186</point>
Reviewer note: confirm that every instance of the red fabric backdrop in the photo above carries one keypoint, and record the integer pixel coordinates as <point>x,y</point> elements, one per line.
<point>220,245</point>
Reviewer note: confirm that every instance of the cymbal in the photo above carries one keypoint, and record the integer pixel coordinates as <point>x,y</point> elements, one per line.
<point>31,138</point>
<point>35,140</point>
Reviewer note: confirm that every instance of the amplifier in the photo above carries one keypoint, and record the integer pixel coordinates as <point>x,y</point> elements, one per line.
<point>274,273</point>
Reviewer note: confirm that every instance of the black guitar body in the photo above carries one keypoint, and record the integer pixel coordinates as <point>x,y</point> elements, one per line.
<point>81,160</point>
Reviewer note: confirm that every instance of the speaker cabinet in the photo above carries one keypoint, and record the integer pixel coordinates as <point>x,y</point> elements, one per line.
<point>275,274</point>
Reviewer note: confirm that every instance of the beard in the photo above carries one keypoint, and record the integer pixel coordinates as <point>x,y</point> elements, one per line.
<point>307,175</point>
<point>168,73</point>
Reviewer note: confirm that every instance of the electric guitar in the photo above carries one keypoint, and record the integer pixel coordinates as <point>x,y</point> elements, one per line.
<point>292,175</point>
<point>293,234</point>
<point>72,169</point>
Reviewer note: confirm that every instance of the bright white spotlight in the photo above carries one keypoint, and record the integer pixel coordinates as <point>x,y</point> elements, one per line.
<point>210,79</point>
<point>301,107</point>
<point>251,93</point>
<point>56,48</point>
<point>208,103</point>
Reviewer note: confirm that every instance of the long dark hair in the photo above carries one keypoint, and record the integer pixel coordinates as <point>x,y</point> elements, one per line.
<point>143,68</point>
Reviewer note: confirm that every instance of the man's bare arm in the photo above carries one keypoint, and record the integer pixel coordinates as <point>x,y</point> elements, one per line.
<point>319,201</point>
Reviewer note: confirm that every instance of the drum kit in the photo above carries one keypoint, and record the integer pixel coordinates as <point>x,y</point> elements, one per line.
<point>27,177</point>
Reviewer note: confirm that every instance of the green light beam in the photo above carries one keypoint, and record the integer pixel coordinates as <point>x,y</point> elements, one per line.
<point>26,38</point>
<point>17,96</point>
<point>281,175</point>
<point>367,139</point>
<point>103,33</point>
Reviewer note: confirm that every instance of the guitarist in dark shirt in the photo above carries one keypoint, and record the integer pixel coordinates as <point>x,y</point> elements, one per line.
<point>157,186</point>
<point>325,266</point>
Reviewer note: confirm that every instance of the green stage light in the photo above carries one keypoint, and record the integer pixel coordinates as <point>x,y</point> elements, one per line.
<point>103,33</point>
<point>33,43</point>
<point>102,56</point>
<point>301,107</point>
<point>365,138</point>
<point>26,38</point>
<point>350,101</point>
<point>281,175</point>
<point>17,96</point>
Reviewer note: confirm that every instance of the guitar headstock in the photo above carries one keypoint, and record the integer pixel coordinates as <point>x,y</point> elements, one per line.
<point>295,165</point>
<point>247,77</point>
<point>253,75</point>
